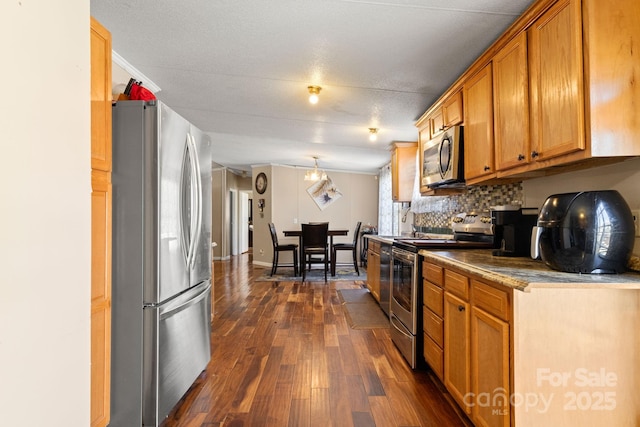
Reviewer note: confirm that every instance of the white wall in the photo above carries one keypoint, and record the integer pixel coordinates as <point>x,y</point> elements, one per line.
<point>45,188</point>
<point>623,177</point>
<point>288,205</point>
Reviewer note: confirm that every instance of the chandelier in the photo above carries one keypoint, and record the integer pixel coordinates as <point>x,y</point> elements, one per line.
<point>315,174</point>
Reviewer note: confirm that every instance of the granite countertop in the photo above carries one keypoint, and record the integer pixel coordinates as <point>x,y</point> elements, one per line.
<point>383,239</point>
<point>524,273</point>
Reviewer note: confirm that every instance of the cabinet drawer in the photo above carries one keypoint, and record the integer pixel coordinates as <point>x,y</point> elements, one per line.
<point>432,273</point>
<point>374,246</point>
<point>433,326</point>
<point>490,299</point>
<point>432,297</point>
<point>457,284</point>
<point>434,356</point>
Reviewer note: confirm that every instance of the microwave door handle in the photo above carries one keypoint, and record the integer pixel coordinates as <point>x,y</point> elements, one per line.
<point>445,141</point>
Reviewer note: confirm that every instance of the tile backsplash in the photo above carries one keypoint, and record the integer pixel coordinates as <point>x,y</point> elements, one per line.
<point>433,214</point>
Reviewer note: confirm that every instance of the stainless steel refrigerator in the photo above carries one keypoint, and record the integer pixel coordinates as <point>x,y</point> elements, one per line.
<point>161,271</point>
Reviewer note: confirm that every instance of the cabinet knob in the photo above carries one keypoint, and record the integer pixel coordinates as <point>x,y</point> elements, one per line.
<point>461,308</point>
<point>486,168</point>
<point>520,157</point>
<point>534,154</point>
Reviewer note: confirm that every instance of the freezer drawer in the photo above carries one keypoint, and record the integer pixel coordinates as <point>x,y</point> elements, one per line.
<point>177,348</point>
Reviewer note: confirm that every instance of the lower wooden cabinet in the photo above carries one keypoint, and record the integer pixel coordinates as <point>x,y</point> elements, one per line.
<point>434,356</point>
<point>554,354</point>
<point>490,355</point>
<point>373,269</point>
<point>489,370</point>
<point>467,342</point>
<point>432,317</point>
<point>457,355</point>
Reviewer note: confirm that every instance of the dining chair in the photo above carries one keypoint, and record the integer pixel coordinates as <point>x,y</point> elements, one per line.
<point>346,247</point>
<point>277,248</point>
<point>315,242</point>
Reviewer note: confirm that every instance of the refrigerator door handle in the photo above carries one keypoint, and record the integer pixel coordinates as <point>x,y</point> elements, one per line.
<point>190,166</point>
<point>170,311</point>
<point>186,242</point>
<point>196,198</point>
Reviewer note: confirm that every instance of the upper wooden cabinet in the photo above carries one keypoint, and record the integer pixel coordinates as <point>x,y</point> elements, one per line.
<point>446,114</point>
<point>403,170</point>
<point>452,110</point>
<point>436,122</point>
<point>613,64</point>
<point>555,75</point>
<point>478,127</point>
<point>511,104</point>
<point>101,97</point>
<point>564,93</point>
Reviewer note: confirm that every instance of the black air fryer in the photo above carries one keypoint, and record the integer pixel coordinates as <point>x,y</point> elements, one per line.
<point>587,232</point>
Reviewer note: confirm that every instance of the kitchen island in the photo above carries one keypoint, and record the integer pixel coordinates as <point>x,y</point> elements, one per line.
<point>523,345</point>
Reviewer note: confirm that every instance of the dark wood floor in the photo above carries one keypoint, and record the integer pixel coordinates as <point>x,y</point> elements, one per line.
<point>284,355</point>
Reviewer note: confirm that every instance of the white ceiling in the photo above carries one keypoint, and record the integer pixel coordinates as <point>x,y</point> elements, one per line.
<point>239,69</point>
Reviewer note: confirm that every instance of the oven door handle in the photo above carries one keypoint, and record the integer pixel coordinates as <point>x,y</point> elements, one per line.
<point>398,326</point>
<point>408,257</point>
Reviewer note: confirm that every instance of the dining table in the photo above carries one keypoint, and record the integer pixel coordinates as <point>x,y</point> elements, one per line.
<point>331,233</point>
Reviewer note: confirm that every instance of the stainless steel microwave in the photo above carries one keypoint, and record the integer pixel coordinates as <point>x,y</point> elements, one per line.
<point>442,159</point>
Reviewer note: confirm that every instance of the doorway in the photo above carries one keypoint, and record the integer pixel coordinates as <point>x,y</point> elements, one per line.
<point>239,221</point>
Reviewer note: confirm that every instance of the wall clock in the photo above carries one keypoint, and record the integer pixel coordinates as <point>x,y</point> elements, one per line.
<point>261,183</point>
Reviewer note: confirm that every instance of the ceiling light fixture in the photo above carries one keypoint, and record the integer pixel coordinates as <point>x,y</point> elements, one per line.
<point>315,174</point>
<point>373,134</point>
<point>313,93</point>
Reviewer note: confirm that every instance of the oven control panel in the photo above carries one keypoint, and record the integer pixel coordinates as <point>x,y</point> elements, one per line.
<point>472,223</point>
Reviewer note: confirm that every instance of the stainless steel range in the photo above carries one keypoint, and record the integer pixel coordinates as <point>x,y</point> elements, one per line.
<point>470,231</point>
<point>405,295</point>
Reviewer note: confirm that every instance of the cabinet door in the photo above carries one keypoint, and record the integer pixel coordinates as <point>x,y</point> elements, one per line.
<point>556,81</point>
<point>511,104</point>
<point>424,137</point>
<point>436,122</point>
<point>403,170</point>
<point>490,367</point>
<point>100,224</point>
<point>452,110</point>
<point>395,182</point>
<point>456,350</point>
<point>373,274</point>
<point>478,126</point>
<point>100,97</point>
<point>613,93</point>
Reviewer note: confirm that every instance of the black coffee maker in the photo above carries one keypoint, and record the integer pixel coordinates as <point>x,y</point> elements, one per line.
<point>512,229</point>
